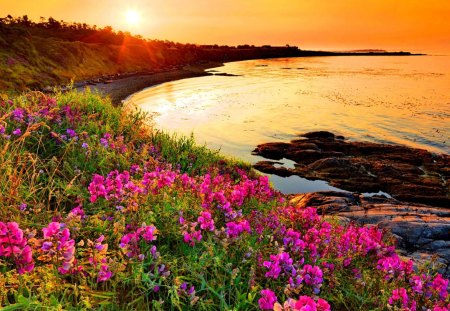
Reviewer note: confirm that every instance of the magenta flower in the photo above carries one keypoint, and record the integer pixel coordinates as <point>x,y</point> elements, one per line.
<point>71,133</point>
<point>440,285</point>
<point>149,233</point>
<point>77,212</point>
<point>205,221</point>
<point>190,238</point>
<point>279,264</point>
<point>401,296</point>
<point>18,114</point>
<point>57,244</point>
<point>393,266</point>
<point>313,276</point>
<point>130,241</point>
<point>306,303</point>
<point>14,245</point>
<point>234,229</point>
<point>267,300</point>
<point>104,274</point>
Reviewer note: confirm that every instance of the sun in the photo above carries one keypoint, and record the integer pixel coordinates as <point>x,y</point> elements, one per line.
<point>132,17</point>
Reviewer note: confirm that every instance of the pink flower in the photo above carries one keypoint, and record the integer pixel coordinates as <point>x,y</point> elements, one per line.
<point>57,244</point>
<point>280,263</point>
<point>267,300</point>
<point>235,229</point>
<point>149,233</point>
<point>305,303</point>
<point>205,221</point>
<point>400,295</point>
<point>440,285</point>
<point>14,245</point>
<point>130,241</point>
<point>104,274</point>
<point>313,276</point>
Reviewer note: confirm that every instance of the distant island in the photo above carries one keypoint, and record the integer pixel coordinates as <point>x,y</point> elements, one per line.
<point>44,54</point>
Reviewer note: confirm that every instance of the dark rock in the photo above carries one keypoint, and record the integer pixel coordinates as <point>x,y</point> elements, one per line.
<point>421,231</point>
<point>318,134</point>
<point>270,168</point>
<point>408,174</point>
<point>274,151</point>
<point>226,74</point>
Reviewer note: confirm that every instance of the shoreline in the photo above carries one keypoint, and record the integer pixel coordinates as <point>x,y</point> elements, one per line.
<point>122,87</point>
<point>119,88</point>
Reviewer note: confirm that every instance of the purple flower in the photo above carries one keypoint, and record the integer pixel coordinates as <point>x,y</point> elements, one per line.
<point>18,114</point>
<point>104,274</point>
<point>17,132</point>
<point>313,276</point>
<point>46,246</point>
<point>104,142</point>
<point>71,133</point>
<point>57,243</point>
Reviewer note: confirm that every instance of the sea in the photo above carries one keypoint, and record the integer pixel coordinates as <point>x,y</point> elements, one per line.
<point>401,100</point>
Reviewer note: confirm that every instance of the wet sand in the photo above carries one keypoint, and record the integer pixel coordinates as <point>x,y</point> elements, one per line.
<point>120,88</point>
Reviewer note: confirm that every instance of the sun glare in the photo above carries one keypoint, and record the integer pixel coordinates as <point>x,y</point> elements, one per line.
<point>132,17</point>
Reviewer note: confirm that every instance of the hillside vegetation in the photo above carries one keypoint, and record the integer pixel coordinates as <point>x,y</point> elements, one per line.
<point>47,53</point>
<point>37,55</point>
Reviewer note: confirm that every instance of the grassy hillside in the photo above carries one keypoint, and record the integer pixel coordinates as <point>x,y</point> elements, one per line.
<point>32,61</point>
<point>100,212</point>
<point>36,55</point>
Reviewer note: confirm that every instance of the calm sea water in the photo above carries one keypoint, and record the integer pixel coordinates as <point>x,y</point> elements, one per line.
<point>400,100</point>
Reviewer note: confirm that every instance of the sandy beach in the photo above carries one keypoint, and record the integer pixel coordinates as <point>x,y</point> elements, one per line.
<point>120,88</point>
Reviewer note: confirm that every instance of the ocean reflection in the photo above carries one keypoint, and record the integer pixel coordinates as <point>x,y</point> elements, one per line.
<point>402,100</point>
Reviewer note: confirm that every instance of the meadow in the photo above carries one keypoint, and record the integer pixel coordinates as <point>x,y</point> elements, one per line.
<point>101,212</point>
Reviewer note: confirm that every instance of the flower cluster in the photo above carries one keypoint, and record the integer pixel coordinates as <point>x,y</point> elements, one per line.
<point>393,266</point>
<point>303,303</point>
<point>280,264</point>
<point>228,218</point>
<point>99,260</point>
<point>130,241</point>
<point>313,276</point>
<point>309,239</point>
<point>236,228</point>
<point>58,247</point>
<point>14,245</point>
<point>184,290</point>
<point>116,187</point>
<point>267,300</point>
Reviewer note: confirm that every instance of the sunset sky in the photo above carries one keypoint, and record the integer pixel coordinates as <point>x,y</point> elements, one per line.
<point>414,25</point>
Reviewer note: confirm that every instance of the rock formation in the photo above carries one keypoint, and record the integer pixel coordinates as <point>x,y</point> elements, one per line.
<point>407,174</point>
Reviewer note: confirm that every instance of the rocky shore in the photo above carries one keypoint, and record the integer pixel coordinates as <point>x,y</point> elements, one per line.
<point>407,174</point>
<point>418,213</point>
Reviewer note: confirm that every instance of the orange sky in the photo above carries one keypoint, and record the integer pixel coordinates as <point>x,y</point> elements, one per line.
<point>414,25</point>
